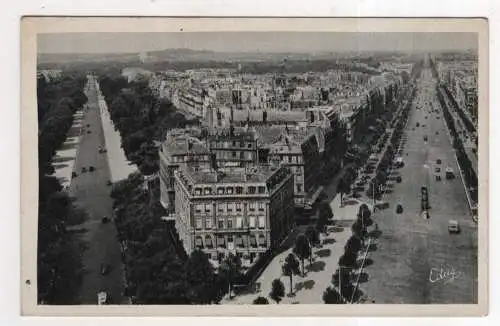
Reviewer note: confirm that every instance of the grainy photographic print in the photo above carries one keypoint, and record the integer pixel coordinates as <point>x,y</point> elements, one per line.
<point>230,168</point>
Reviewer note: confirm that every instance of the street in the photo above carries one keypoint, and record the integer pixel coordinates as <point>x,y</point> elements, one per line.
<point>92,193</point>
<point>417,261</point>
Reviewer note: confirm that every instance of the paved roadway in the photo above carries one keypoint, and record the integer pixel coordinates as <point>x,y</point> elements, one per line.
<point>92,193</point>
<point>411,251</point>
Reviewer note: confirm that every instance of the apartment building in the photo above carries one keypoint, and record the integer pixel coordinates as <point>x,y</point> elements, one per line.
<point>180,146</point>
<point>244,211</point>
<point>233,148</point>
<point>298,149</point>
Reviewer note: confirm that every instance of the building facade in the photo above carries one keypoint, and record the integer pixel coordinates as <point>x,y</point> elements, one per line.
<point>180,147</point>
<point>239,211</point>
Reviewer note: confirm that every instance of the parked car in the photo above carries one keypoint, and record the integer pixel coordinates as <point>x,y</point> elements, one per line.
<point>91,169</point>
<point>438,177</point>
<point>89,132</point>
<point>453,226</point>
<point>84,169</point>
<point>437,169</point>
<point>399,179</point>
<point>417,124</point>
<point>73,174</point>
<point>399,209</point>
<point>105,220</point>
<point>109,183</point>
<point>425,138</point>
<point>438,161</point>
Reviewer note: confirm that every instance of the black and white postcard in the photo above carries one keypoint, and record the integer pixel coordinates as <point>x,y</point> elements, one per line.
<point>277,166</point>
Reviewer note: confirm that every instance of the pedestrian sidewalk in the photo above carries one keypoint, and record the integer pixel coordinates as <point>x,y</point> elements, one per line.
<point>347,210</point>
<point>309,289</point>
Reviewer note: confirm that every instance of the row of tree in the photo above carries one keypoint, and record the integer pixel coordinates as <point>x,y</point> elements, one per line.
<point>141,118</point>
<point>343,290</point>
<point>470,176</point>
<point>59,264</point>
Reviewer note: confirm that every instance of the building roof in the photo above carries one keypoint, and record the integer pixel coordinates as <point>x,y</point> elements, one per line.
<point>255,174</point>
<point>181,142</point>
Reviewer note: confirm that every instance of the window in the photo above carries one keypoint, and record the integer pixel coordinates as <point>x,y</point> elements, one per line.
<point>299,187</point>
<point>238,207</point>
<point>230,238</point>
<point>261,206</point>
<point>208,208</point>
<point>230,207</point>
<point>220,207</point>
<point>197,191</point>
<point>252,221</point>
<point>262,190</point>
<point>239,190</point>
<point>230,223</point>
<point>208,223</point>
<point>250,145</point>
<point>234,154</point>
<point>262,222</point>
<point>251,190</point>
<point>208,191</point>
<point>289,158</point>
<point>199,223</point>
<point>198,208</point>
<point>239,222</point>
<point>220,191</point>
<point>242,144</point>
<point>234,144</point>
<point>252,206</point>
<point>220,224</point>
<point>229,190</point>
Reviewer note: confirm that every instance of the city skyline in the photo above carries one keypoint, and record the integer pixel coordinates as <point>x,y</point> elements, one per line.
<point>269,42</point>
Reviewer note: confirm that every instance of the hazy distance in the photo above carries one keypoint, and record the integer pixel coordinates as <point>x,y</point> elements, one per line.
<point>304,42</point>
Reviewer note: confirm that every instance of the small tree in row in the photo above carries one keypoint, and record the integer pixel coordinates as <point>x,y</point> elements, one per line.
<point>277,291</point>
<point>291,268</point>
<point>260,300</point>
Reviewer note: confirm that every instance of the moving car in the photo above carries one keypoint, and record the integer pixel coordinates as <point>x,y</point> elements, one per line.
<point>453,226</point>
<point>437,169</point>
<point>438,177</point>
<point>438,161</point>
<point>449,173</point>
<point>425,138</point>
<point>399,209</point>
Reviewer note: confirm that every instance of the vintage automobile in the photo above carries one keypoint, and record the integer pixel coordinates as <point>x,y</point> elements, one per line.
<point>453,226</point>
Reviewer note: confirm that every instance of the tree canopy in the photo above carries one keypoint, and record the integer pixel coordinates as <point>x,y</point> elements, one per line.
<point>302,249</point>
<point>59,266</point>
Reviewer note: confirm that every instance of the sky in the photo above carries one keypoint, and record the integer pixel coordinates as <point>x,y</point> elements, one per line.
<point>254,42</point>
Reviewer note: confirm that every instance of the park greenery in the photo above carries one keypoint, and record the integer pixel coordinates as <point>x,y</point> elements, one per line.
<point>59,266</point>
